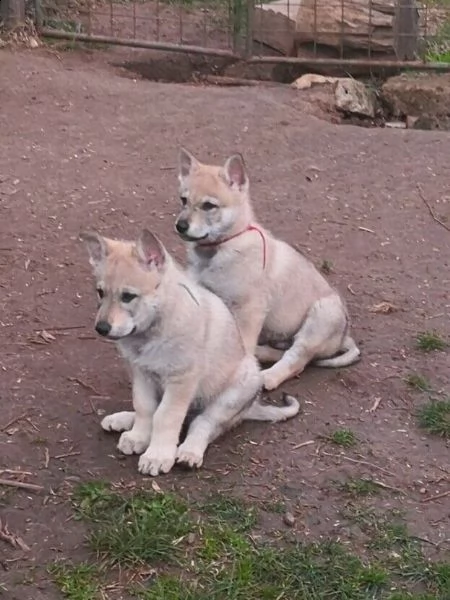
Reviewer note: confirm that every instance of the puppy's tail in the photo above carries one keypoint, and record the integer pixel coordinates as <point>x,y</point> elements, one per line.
<point>267,412</point>
<point>351,354</point>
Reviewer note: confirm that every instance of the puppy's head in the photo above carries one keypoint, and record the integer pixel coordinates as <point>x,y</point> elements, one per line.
<point>128,277</point>
<point>215,200</point>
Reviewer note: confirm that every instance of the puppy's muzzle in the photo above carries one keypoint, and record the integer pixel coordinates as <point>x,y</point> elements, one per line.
<point>103,328</point>
<point>182,226</point>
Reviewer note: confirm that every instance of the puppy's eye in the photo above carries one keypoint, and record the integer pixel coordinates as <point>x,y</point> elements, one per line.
<point>183,200</point>
<point>100,293</point>
<point>127,297</point>
<point>208,206</point>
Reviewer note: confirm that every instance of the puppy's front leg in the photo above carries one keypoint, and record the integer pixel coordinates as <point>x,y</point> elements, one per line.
<point>250,320</point>
<point>145,402</point>
<point>167,422</point>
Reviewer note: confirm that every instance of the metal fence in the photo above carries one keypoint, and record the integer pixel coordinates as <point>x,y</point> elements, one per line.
<point>310,32</point>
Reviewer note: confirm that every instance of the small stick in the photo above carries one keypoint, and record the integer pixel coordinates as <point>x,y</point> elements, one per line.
<point>360,462</point>
<point>308,443</point>
<point>7,536</point>
<point>376,404</point>
<point>388,487</point>
<point>21,485</point>
<point>67,455</point>
<point>430,210</point>
<point>47,458</point>
<point>85,385</point>
<point>167,168</point>
<point>15,472</point>
<point>8,425</point>
<point>437,497</point>
<point>351,290</point>
<point>62,328</point>
<point>366,229</point>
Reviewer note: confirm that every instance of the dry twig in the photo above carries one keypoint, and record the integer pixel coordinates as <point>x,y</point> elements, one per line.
<point>359,462</point>
<point>11,538</point>
<point>21,484</point>
<point>430,209</point>
<point>437,497</point>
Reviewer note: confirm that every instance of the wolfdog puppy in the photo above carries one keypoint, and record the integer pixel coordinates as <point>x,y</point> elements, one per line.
<point>184,351</point>
<point>287,313</point>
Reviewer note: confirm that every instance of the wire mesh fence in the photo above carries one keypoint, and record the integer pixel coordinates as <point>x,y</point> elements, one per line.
<point>277,31</point>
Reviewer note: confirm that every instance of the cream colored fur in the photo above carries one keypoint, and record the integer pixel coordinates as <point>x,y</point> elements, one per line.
<point>184,351</point>
<point>287,312</point>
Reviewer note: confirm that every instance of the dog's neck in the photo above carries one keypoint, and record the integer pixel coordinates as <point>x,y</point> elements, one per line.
<point>215,244</point>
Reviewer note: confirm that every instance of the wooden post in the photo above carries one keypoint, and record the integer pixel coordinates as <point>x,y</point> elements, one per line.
<point>12,13</point>
<point>406,30</point>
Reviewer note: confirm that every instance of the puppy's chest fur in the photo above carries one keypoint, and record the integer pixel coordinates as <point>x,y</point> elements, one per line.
<point>219,270</point>
<point>160,358</point>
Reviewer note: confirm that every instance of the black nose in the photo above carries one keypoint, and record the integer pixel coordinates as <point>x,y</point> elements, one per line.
<point>103,328</point>
<point>182,226</point>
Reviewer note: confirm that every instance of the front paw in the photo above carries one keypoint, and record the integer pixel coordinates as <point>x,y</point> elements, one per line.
<point>190,456</point>
<point>157,460</point>
<point>133,442</point>
<point>271,381</point>
<point>119,421</point>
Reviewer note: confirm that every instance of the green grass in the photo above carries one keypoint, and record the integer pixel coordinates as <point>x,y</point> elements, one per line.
<point>434,417</point>
<point>356,487</point>
<point>430,341</point>
<point>418,382</point>
<point>76,582</point>
<point>326,267</point>
<point>343,437</point>
<point>123,528</point>
<point>212,551</point>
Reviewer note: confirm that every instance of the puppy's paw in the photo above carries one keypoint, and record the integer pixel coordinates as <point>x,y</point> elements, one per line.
<point>119,421</point>
<point>271,380</point>
<point>157,460</point>
<point>132,442</point>
<point>190,456</point>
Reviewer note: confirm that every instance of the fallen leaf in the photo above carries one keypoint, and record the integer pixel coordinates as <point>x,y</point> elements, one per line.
<point>384,308</point>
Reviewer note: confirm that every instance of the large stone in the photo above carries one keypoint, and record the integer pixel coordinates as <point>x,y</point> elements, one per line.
<point>352,96</point>
<point>417,95</point>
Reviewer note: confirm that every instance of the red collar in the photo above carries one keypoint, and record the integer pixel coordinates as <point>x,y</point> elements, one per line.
<point>248,228</point>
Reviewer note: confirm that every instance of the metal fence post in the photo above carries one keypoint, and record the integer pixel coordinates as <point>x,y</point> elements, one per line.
<point>250,27</point>
<point>12,13</point>
<point>406,30</point>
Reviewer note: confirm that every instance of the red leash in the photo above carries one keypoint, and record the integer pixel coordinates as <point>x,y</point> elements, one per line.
<point>248,228</point>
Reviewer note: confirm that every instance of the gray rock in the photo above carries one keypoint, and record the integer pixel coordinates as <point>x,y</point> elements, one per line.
<point>352,96</point>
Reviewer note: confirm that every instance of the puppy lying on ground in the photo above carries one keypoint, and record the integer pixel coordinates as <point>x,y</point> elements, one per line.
<point>277,296</point>
<point>183,348</point>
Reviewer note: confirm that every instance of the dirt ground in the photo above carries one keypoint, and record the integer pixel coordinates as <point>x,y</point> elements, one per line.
<point>82,146</point>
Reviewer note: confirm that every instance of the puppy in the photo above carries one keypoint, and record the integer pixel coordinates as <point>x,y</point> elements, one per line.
<point>287,312</point>
<point>184,351</point>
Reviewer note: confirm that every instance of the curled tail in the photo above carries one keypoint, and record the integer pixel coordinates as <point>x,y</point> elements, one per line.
<point>351,354</point>
<point>268,412</point>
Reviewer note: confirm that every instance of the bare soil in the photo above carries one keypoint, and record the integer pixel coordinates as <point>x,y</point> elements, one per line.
<point>82,146</point>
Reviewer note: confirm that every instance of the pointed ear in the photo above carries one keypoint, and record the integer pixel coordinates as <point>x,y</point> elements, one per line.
<point>235,172</point>
<point>96,246</point>
<point>187,163</point>
<point>150,250</point>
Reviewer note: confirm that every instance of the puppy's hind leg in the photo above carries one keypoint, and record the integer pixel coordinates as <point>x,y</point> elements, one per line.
<point>224,412</point>
<point>321,335</point>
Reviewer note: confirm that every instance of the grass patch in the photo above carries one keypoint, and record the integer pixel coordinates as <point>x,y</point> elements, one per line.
<point>434,417</point>
<point>230,510</point>
<point>123,528</point>
<point>210,551</point>
<point>326,267</point>
<point>418,382</point>
<point>359,487</point>
<point>430,341</point>
<point>76,582</point>
<point>343,437</point>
